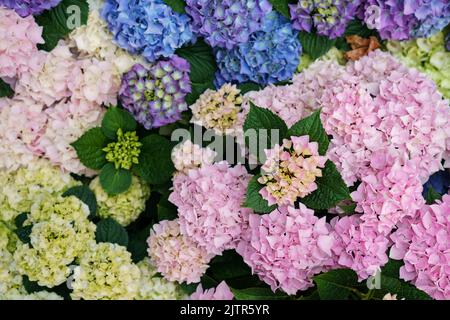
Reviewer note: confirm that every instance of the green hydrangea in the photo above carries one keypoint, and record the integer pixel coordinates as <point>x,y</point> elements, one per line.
<point>124,207</point>
<point>21,188</point>
<point>332,54</point>
<point>60,233</point>
<point>153,287</point>
<point>105,272</point>
<point>125,151</point>
<point>10,280</point>
<point>427,55</point>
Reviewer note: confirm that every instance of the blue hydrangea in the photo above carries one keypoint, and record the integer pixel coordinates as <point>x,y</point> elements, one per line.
<point>440,182</point>
<point>147,27</point>
<point>270,55</point>
<point>433,16</point>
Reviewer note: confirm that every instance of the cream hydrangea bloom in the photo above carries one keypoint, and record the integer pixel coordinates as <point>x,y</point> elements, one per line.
<point>105,271</point>
<point>153,287</point>
<point>188,155</point>
<point>21,188</point>
<point>124,207</point>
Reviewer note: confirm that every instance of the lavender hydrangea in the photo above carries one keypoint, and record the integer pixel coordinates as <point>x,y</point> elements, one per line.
<point>327,17</point>
<point>447,42</point>
<point>24,8</point>
<point>156,95</point>
<point>147,27</point>
<point>226,23</point>
<point>402,20</point>
<point>270,55</point>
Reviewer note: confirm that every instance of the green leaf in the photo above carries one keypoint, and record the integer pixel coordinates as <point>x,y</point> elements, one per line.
<point>108,230</point>
<point>229,265</point>
<point>432,195</point>
<point>176,5</point>
<point>336,284</point>
<point>166,210</point>
<point>402,289</point>
<point>155,165</point>
<point>311,126</point>
<point>23,232</point>
<point>331,189</point>
<point>89,148</point>
<point>254,200</point>
<point>114,181</point>
<point>258,294</point>
<point>248,86</point>
<point>116,118</point>
<point>203,68</point>
<point>137,245</point>
<point>315,45</point>
<point>357,27</point>
<point>86,195</point>
<point>58,22</point>
<point>31,286</point>
<point>5,90</point>
<point>265,123</point>
<point>282,6</point>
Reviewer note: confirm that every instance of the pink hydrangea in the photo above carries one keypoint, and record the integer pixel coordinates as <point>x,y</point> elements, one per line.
<point>287,247</point>
<point>209,201</point>
<point>176,256</point>
<point>359,246</point>
<point>423,242</point>
<point>221,292</point>
<point>389,194</point>
<point>290,170</point>
<point>18,40</point>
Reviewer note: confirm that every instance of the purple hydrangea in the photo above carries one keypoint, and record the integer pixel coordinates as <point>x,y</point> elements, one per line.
<point>147,27</point>
<point>270,55</point>
<point>327,17</point>
<point>447,41</point>
<point>402,20</point>
<point>226,23</point>
<point>24,8</point>
<point>156,95</point>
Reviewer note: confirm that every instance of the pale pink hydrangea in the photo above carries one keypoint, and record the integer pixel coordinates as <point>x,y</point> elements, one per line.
<point>67,121</point>
<point>389,194</point>
<point>290,170</point>
<point>358,246</point>
<point>18,44</point>
<point>221,292</point>
<point>287,247</point>
<point>174,255</point>
<point>22,123</point>
<point>188,155</point>
<point>423,243</point>
<point>209,201</point>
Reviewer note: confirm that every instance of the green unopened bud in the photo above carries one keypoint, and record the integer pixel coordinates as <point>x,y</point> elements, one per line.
<point>125,152</point>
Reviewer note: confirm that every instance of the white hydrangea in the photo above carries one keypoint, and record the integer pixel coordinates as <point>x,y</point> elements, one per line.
<point>187,155</point>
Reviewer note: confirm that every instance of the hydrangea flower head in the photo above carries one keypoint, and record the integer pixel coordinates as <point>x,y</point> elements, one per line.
<point>174,255</point>
<point>124,207</point>
<point>125,151</point>
<point>422,242</point>
<point>290,170</point>
<point>220,110</point>
<point>147,27</point>
<point>209,205</point>
<point>287,247</point>
<point>29,7</point>
<point>226,23</point>
<point>18,40</point>
<point>328,17</point>
<point>188,155</point>
<point>105,272</point>
<point>221,292</point>
<point>270,55</point>
<point>447,42</point>
<point>156,95</point>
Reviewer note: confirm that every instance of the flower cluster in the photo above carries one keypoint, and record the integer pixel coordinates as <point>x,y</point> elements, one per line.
<point>287,247</point>
<point>147,27</point>
<point>209,205</point>
<point>124,207</point>
<point>290,170</point>
<point>270,55</point>
<point>221,292</point>
<point>227,23</point>
<point>402,20</point>
<point>422,242</point>
<point>26,8</point>
<point>220,110</point>
<point>125,151</point>
<point>174,255</point>
<point>329,18</point>
<point>188,155</point>
<point>429,55</point>
<point>156,95</point>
